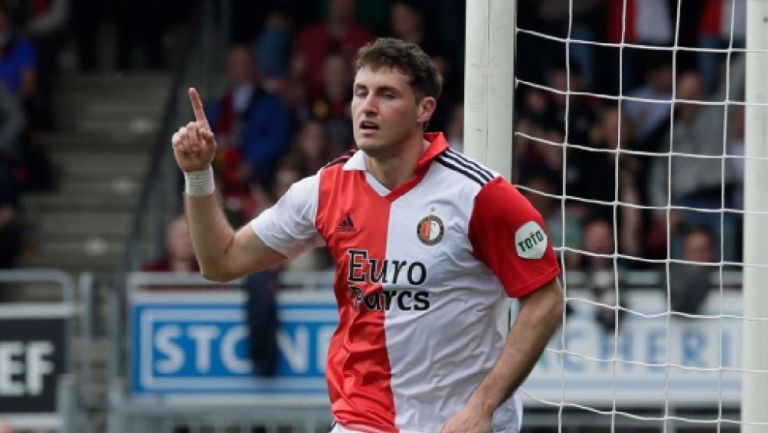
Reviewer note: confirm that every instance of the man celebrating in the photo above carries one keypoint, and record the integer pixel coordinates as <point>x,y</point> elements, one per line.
<point>426,243</point>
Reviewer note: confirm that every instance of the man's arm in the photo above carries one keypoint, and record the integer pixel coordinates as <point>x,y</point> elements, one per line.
<point>540,315</point>
<point>222,253</point>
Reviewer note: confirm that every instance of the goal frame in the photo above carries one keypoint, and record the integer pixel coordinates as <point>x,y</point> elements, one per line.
<point>488,137</point>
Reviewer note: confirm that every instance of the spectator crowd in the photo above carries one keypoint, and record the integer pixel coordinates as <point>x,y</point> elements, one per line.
<point>621,111</point>
<point>639,123</point>
<point>285,112</point>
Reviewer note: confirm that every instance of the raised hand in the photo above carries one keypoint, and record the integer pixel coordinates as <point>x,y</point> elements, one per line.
<point>194,145</point>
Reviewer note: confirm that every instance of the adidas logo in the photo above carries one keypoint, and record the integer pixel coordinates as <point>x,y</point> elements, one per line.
<point>346,225</point>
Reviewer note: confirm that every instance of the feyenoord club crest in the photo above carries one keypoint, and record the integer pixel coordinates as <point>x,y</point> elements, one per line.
<point>430,230</point>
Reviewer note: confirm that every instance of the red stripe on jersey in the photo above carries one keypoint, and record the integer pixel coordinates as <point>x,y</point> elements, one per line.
<point>358,368</point>
<point>500,210</point>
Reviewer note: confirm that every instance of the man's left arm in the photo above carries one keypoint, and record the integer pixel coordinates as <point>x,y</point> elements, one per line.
<point>539,316</point>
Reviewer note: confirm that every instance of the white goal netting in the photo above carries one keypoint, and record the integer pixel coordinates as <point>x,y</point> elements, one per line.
<point>629,138</point>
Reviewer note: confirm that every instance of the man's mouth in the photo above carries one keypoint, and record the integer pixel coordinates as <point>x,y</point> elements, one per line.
<point>369,125</point>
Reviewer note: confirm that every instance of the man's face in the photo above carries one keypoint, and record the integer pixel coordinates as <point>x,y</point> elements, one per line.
<point>240,66</point>
<point>405,20</point>
<point>598,237</point>
<point>384,110</point>
<point>698,248</point>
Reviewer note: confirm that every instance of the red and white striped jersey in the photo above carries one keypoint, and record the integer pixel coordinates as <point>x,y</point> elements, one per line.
<point>420,272</point>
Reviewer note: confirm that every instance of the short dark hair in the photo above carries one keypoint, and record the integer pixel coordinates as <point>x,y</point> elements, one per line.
<point>407,58</point>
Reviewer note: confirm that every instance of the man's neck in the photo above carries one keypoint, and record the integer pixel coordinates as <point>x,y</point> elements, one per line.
<point>393,171</point>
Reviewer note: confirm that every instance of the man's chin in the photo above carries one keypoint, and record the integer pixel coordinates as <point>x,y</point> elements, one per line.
<point>368,145</point>
<point>372,149</point>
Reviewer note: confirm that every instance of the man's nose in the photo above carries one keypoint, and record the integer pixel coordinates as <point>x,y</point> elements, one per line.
<point>370,104</point>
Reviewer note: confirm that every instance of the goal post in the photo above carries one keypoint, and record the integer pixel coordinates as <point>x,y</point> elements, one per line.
<point>489,83</point>
<point>755,330</point>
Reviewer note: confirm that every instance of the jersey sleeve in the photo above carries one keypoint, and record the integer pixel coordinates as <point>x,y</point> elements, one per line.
<point>289,227</point>
<point>508,235</point>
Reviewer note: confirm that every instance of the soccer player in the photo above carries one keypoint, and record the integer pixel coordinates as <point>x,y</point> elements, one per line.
<point>426,243</point>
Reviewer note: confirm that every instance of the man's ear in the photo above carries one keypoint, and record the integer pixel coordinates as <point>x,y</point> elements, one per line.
<point>426,108</point>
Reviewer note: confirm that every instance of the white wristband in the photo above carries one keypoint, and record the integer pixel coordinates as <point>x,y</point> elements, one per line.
<point>199,183</point>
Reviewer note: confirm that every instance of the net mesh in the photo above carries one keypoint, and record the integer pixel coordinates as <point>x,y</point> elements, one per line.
<point>651,335</point>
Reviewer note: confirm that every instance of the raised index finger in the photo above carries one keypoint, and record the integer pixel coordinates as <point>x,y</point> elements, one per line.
<point>197,106</point>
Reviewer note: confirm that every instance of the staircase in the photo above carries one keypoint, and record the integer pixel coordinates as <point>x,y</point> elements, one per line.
<point>100,153</point>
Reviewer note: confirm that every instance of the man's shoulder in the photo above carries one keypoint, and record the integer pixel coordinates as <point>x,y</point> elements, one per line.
<point>465,169</point>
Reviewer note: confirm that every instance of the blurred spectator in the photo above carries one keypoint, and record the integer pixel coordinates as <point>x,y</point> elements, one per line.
<point>715,32</point>
<point>244,205</point>
<point>599,266</point>
<point>598,178</point>
<point>262,320</point>
<point>562,231</point>
<point>332,105</point>
<point>649,116</point>
<point>45,25</point>
<point>536,148</point>
<point>273,49</point>
<point>339,32</point>
<point>179,255</point>
<point>18,62</point>
<point>251,126</point>
<point>537,119</point>
<point>286,176</point>
<point>581,111</point>
<point>690,282</point>
<point>554,17</point>
<point>598,243</point>
<point>407,22</point>
<point>294,97</point>
<point>311,149</point>
<point>591,174</point>
<point>12,124</point>
<point>538,107</point>
<point>696,181</point>
<point>648,22</point>
<point>247,16</point>
<point>10,219</point>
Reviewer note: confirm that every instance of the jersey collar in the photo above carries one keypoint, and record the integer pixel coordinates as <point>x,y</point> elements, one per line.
<point>437,145</point>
